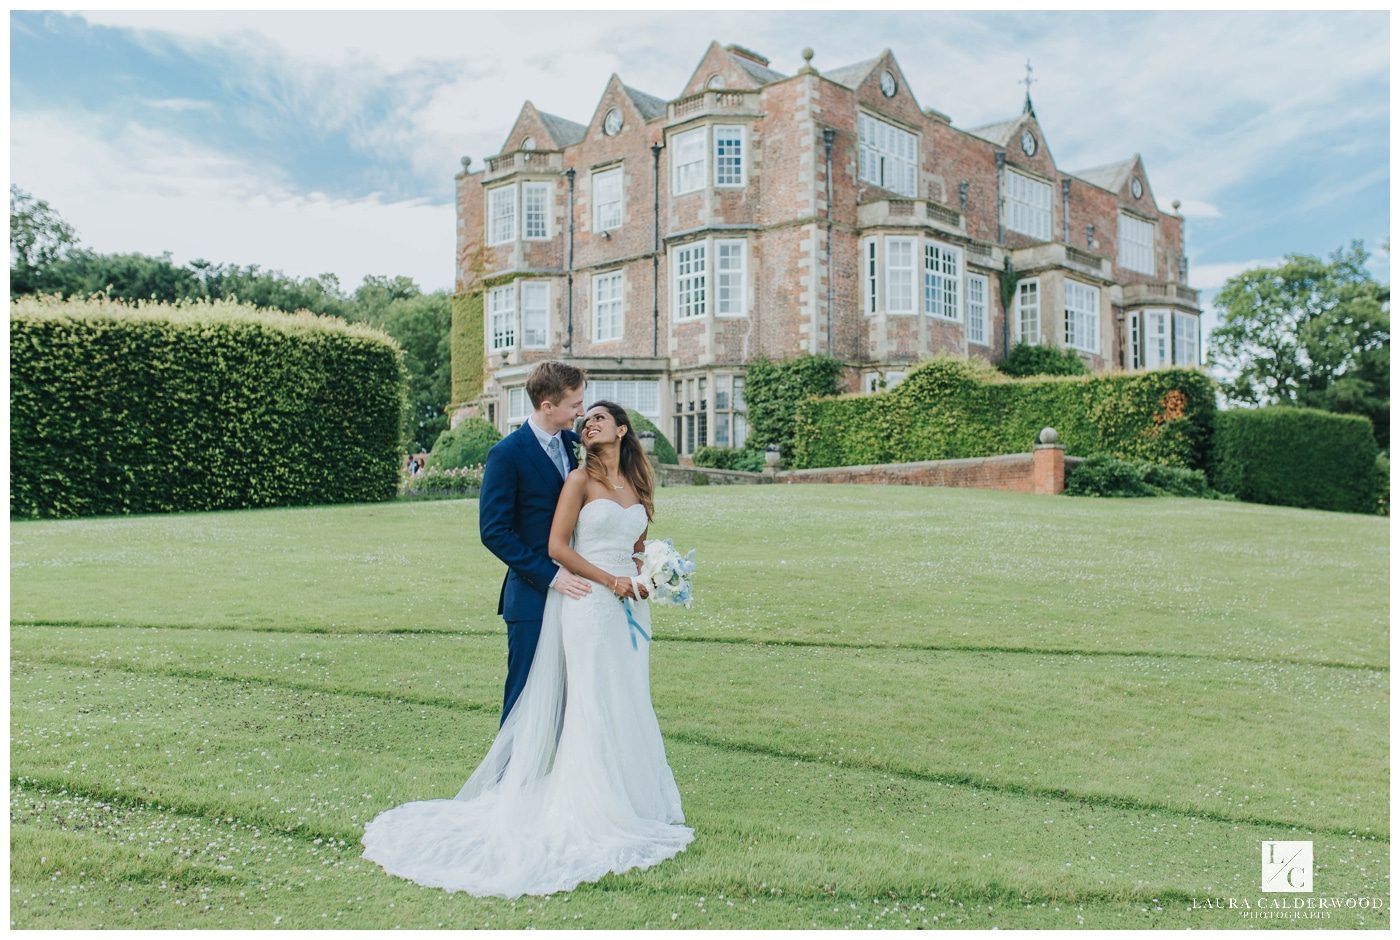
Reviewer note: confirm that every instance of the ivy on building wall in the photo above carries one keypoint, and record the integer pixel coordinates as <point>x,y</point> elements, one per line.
<point>468,346</point>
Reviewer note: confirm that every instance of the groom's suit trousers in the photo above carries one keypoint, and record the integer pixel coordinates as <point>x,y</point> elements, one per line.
<point>522,636</point>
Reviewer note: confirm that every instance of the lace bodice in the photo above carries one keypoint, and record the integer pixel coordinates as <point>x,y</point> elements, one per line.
<point>605,536</point>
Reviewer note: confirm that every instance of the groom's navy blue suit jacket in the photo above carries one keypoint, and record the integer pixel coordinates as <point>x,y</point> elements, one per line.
<point>519,490</point>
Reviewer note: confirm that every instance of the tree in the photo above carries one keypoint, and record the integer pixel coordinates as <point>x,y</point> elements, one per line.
<point>422,325</point>
<point>38,238</point>
<point>1308,333</point>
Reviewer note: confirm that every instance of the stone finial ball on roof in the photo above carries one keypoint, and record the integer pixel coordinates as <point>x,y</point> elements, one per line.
<point>466,163</point>
<point>807,54</point>
<point>1048,436</point>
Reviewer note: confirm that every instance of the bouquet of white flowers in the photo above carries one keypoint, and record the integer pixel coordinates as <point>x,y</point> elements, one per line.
<point>666,572</point>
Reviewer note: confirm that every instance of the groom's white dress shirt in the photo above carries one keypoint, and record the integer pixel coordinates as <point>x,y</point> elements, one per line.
<point>544,440</point>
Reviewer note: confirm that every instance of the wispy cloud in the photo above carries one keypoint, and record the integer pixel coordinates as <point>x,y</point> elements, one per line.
<point>1215,102</point>
<point>129,187</point>
<point>179,104</point>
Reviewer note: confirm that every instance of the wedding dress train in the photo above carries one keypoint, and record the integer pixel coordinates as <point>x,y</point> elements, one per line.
<point>576,784</point>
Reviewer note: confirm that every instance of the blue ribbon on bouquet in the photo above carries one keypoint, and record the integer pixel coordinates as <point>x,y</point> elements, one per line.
<point>633,625</point>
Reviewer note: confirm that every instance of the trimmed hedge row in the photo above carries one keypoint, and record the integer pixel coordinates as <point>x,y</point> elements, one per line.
<point>729,458</point>
<point>1305,457</point>
<point>156,408</point>
<point>948,407</point>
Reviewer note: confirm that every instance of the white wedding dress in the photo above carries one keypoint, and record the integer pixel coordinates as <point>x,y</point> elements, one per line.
<point>576,784</point>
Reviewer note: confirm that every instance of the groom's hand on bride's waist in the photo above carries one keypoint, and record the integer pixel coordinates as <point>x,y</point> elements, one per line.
<point>571,585</point>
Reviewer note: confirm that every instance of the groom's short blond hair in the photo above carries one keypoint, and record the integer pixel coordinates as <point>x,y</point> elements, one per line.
<point>549,380</point>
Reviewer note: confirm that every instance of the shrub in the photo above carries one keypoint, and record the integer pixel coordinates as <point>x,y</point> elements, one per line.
<point>1177,481</point>
<point>950,407</point>
<point>773,390</point>
<point>1036,359</point>
<point>120,408</point>
<point>665,453</point>
<point>729,458</point>
<point>436,483</point>
<point>1290,456</point>
<point>1106,475</point>
<point>463,446</point>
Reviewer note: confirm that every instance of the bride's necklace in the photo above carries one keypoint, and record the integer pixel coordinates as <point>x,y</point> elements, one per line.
<point>615,486</point>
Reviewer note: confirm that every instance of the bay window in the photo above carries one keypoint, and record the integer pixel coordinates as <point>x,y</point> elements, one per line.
<point>710,277</point>
<point>942,276</point>
<point>1028,311</point>
<point>1081,316</point>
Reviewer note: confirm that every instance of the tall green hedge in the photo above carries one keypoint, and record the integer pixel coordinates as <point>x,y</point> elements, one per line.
<point>1291,456</point>
<point>949,407</point>
<point>121,409</point>
<point>772,391</point>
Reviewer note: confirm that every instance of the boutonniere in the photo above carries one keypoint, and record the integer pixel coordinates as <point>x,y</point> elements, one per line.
<point>580,453</point>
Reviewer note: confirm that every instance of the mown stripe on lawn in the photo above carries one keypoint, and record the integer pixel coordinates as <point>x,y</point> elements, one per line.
<point>733,641</point>
<point>996,890</point>
<point>1058,794</point>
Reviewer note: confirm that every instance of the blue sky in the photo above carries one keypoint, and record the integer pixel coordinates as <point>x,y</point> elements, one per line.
<point>327,142</point>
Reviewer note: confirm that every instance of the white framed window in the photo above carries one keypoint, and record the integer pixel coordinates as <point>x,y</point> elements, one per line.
<point>731,427</point>
<point>1136,244</point>
<point>899,275</point>
<point>536,197</point>
<point>1157,347</point>
<point>871,272</point>
<point>977,309</point>
<point>607,199</point>
<point>688,173</point>
<point>942,275</point>
<point>731,289</point>
<point>640,395</point>
<point>607,306</point>
<point>1027,205</point>
<point>1028,311</point>
<point>534,314</point>
<point>889,155</point>
<point>501,301</point>
<point>729,155</point>
<point>1081,316</point>
<point>1135,340</point>
<point>1183,339</point>
<point>690,277</point>
<point>710,277</point>
<point>517,406</point>
<point>500,215</point>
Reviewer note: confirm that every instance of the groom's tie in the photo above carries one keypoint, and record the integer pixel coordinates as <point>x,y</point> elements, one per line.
<point>556,454</point>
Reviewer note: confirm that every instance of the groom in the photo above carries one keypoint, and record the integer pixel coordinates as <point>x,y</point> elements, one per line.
<point>524,473</point>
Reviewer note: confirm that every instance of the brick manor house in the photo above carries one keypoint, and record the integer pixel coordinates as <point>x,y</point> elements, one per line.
<point>665,243</point>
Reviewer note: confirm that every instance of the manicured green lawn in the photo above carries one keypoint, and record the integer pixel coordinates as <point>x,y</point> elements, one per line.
<point>891,707</point>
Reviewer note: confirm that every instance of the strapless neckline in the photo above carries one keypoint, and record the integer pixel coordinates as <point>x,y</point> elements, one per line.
<point>604,499</point>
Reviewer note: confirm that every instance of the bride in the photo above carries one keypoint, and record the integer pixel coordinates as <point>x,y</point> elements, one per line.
<point>576,784</point>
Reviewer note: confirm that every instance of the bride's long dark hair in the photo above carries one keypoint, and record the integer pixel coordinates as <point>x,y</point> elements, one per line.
<point>632,461</point>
